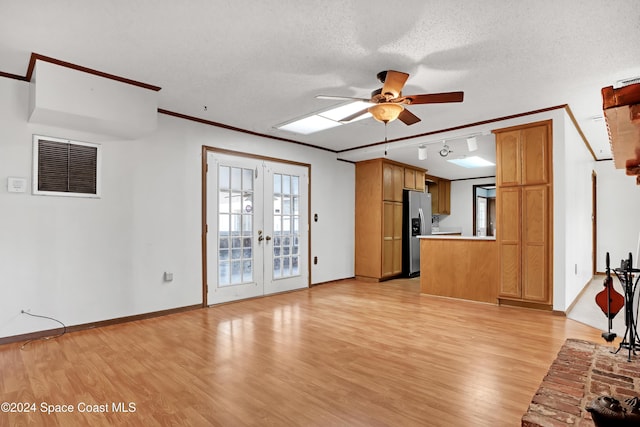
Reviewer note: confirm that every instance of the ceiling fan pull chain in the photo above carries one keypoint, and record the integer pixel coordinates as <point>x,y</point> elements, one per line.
<point>385,139</point>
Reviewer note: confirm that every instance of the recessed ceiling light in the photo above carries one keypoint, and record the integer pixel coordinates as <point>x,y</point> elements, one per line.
<point>326,119</point>
<point>471,162</point>
<point>309,125</point>
<point>343,111</point>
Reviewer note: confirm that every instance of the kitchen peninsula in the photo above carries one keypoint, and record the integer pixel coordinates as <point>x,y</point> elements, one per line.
<point>463,267</point>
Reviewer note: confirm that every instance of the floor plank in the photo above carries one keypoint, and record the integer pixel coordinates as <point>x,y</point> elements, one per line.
<point>342,354</point>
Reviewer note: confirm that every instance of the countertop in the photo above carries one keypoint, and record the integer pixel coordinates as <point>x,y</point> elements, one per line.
<point>446,230</point>
<point>455,237</point>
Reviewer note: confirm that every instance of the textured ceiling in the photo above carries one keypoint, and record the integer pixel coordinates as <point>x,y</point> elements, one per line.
<point>256,64</point>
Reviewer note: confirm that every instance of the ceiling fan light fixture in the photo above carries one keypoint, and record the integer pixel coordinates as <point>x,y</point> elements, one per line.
<point>386,112</point>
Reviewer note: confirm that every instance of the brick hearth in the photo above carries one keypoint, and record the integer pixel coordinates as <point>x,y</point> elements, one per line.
<point>581,372</point>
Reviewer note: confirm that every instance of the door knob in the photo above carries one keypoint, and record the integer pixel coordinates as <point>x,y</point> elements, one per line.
<point>268,238</point>
<point>260,238</point>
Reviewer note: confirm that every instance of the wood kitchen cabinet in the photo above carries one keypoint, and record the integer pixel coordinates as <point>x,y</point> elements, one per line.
<point>524,156</point>
<point>523,219</point>
<point>414,179</point>
<point>391,239</point>
<point>392,182</point>
<point>440,190</point>
<point>444,197</point>
<point>524,180</point>
<point>378,222</point>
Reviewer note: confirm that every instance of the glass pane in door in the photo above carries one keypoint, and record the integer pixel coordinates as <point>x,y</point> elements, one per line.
<point>481,216</point>
<point>286,235</point>
<point>235,226</point>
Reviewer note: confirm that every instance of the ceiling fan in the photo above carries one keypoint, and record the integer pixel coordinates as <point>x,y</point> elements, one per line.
<point>389,102</point>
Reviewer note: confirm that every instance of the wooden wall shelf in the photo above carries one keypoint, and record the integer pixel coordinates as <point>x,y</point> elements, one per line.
<point>622,114</point>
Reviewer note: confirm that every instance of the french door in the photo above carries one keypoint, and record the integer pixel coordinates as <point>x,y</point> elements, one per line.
<point>257,227</point>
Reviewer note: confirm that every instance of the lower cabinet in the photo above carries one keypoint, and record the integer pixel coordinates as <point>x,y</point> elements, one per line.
<point>391,239</point>
<point>525,243</point>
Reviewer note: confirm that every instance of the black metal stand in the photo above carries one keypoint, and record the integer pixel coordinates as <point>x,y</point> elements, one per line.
<point>631,340</point>
<point>609,336</point>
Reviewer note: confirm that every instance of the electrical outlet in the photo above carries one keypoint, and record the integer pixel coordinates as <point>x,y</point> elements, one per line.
<point>168,276</point>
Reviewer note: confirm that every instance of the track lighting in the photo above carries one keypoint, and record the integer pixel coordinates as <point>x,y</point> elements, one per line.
<point>422,152</point>
<point>472,143</point>
<point>444,152</point>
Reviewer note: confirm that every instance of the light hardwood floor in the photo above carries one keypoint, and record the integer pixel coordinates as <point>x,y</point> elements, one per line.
<point>342,354</point>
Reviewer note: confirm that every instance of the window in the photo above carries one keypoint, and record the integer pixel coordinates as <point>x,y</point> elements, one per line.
<point>65,168</point>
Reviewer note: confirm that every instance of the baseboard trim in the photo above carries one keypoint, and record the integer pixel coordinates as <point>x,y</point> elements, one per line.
<point>525,304</point>
<point>367,279</point>
<point>328,282</point>
<point>376,279</point>
<point>74,328</point>
<point>581,293</point>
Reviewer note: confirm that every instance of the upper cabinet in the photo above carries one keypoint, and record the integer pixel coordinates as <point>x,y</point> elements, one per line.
<point>440,190</point>
<point>392,182</point>
<point>524,163</point>
<point>414,179</point>
<point>398,177</point>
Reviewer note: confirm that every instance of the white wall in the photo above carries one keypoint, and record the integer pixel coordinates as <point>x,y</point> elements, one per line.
<point>87,260</point>
<point>573,237</point>
<point>618,205</point>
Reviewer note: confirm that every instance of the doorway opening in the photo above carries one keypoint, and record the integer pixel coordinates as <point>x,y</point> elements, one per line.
<point>484,209</point>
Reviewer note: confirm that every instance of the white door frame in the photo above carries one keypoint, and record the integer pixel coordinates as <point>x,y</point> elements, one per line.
<point>207,204</point>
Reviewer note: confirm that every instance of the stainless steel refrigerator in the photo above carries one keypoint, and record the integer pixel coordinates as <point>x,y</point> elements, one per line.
<point>416,221</point>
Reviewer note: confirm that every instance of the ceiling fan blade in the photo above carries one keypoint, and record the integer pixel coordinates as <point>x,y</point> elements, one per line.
<point>408,118</point>
<point>341,97</point>
<point>434,98</point>
<point>394,82</point>
<point>355,115</point>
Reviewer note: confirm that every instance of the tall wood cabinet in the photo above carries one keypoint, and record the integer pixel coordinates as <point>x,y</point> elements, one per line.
<point>378,222</point>
<point>524,180</point>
